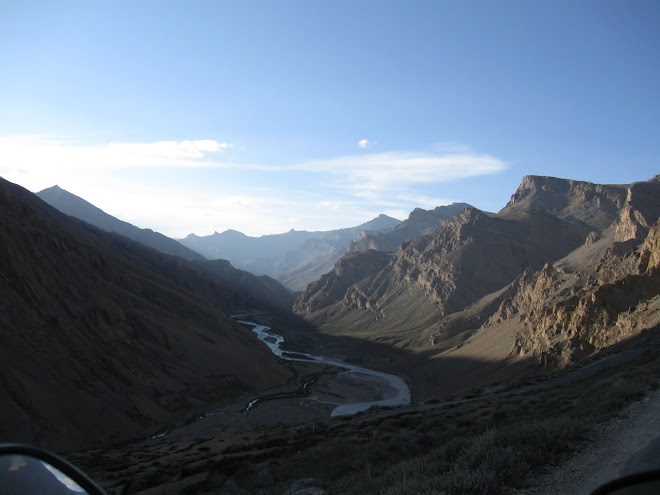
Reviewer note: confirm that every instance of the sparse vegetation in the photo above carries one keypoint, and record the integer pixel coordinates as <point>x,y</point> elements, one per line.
<point>486,445</point>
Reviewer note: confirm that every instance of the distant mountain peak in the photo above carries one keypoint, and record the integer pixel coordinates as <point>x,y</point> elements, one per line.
<point>445,211</point>
<point>547,185</point>
<point>231,232</point>
<point>595,205</point>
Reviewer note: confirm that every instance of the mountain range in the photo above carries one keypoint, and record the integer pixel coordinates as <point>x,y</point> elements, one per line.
<point>295,258</point>
<point>95,325</point>
<point>564,270</point>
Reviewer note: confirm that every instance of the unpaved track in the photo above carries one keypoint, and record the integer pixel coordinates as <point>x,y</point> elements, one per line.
<point>622,446</point>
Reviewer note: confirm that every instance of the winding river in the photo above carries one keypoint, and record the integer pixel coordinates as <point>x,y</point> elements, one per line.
<point>395,391</point>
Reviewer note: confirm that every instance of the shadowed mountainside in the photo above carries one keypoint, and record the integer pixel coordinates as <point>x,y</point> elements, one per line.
<point>94,325</point>
<point>77,207</point>
<point>250,291</point>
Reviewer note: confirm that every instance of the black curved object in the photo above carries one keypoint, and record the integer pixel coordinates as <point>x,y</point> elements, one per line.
<point>65,467</point>
<point>647,482</point>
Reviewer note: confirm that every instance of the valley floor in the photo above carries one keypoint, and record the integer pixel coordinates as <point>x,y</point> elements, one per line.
<point>564,438</point>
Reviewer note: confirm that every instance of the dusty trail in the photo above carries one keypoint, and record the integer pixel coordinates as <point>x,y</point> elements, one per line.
<point>623,446</point>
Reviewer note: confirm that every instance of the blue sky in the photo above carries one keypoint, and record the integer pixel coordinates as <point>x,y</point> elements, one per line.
<point>264,116</point>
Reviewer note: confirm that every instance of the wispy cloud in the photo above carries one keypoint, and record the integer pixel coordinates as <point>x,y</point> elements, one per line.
<point>366,172</point>
<point>32,152</point>
<point>36,162</point>
<point>162,151</point>
<point>425,202</point>
<point>314,195</point>
<point>385,171</point>
<point>364,143</point>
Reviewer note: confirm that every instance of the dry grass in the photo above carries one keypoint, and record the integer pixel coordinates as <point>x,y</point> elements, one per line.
<point>485,446</point>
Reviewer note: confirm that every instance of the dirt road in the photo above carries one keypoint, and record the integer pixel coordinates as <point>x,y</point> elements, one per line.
<point>623,446</point>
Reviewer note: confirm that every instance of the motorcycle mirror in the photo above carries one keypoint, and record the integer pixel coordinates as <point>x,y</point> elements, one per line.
<point>645,483</point>
<point>28,470</point>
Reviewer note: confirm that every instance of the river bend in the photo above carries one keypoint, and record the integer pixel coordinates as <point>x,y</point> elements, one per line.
<point>396,393</point>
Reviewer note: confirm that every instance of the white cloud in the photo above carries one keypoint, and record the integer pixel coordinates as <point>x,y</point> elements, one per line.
<point>36,162</point>
<point>127,153</point>
<point>363,143</point>
<point>332,204</point>
<point>31,150</point>
<point>426,202</point>
<point>179,211</point>
<point>33,159</point>
<point>317,195</point>
<point>390,170</point>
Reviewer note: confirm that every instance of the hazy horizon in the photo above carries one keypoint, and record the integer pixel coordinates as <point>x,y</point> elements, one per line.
<point>262,117</point>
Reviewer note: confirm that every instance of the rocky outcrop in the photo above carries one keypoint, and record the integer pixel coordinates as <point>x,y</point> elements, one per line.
<point>595,205</point>
<point>567,315</point>
<point>641,210</point>
<point>332,287</point>
<point>652,245</point>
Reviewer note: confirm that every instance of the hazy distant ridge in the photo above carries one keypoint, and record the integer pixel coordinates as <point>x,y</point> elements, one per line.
<point>72,205</point>
<point>295,258</point>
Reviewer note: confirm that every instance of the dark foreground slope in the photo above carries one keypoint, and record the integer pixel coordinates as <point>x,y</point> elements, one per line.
<point>71,204</point>
<point>565,269</point>
<point>103,338</point>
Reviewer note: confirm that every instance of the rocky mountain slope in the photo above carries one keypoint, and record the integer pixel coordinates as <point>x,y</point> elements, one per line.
<point>419,222</point>
<point>565,269</point>
<point>332,286</point>
<point>77,207</point>
<point>294,258</point>
<point>104,338</point>
<point>605,292</point>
